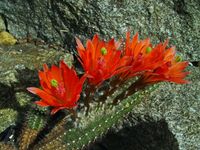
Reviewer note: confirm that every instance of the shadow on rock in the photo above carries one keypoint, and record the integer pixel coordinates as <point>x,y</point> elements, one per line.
<point>25,78</point>
<point>144,136</point>
<point>7,97</point>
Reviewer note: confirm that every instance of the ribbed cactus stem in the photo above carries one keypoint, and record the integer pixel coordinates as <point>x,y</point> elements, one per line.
<point>6,146</point>
<point>35,123</point>
<point>53,140</point>
<point>76,138</point>
<point>134,87</point>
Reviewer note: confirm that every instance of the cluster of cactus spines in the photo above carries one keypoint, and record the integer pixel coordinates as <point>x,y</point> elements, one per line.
<point>54,137</point>
<point>35,122</point>
<point>6,146</point>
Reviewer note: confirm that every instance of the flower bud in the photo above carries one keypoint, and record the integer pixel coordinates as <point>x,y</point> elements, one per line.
<point>178,58</point>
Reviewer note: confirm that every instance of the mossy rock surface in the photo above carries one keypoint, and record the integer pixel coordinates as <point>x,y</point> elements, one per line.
<point>18,70</point>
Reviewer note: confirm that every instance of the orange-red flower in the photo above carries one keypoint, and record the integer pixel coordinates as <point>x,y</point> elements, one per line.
<point>61,87</point>
<point>135,55</point>
<point>100,59</point>
<point>166,66</point>
<point>170,71</point>
<point>149,60</point>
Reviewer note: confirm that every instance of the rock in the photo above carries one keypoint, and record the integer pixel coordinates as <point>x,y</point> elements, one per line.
<point>7,118</point>
<point>18,70</point>
<point>60,21</point>
<point>143,136</point>
<point>6,38</point>
<point>179,106</point>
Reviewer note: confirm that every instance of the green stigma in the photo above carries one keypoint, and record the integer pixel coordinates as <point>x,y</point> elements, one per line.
<point>178,58</point>
<point>103,51</point>
<point>54,83</point>
<point>148,50</point>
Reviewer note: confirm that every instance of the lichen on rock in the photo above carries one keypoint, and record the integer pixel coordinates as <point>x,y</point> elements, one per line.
<point>6,38</point>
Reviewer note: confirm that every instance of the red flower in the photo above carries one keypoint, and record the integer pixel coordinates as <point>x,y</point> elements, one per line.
<point>100,59</point>
<point>153,64</point>
<point>136,54</point>
<point>170,71</point>
<point>61,87</point>
<point>166,66</point>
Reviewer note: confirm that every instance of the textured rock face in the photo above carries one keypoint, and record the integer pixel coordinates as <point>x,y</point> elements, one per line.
<point>179,105</point>
<point>59,21</point>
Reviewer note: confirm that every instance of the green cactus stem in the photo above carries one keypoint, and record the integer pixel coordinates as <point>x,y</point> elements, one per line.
<point>134,87</point>
<point>36,121</point>
<point>53,140</point>
<point>77,138</point>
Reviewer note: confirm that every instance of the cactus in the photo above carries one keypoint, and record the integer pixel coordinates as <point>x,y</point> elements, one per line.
<point>6,146</point>
<point>77,138</point>
<point>35,122</point>
<point>109,94</point>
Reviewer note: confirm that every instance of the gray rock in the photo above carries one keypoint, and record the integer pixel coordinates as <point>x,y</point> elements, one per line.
<point>179,106</point>
<point>59,21</point>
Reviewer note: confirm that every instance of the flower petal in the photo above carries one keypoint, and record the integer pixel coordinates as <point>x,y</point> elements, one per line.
<point>47,98</point>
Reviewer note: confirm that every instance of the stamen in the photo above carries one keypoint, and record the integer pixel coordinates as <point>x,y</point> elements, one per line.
<point>54,83</point>
<point>148,50</point>
<point>103,51</point>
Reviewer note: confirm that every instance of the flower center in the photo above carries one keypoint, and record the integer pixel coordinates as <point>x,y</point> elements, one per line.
<point>178,58</point>
<point>54,83</point>
<point>148,50</point>
<point>103,51</point>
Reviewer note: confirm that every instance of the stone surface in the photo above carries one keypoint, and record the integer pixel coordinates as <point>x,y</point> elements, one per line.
<point>179,105</point>
<point>18,70</point>
<point>59,21</point>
